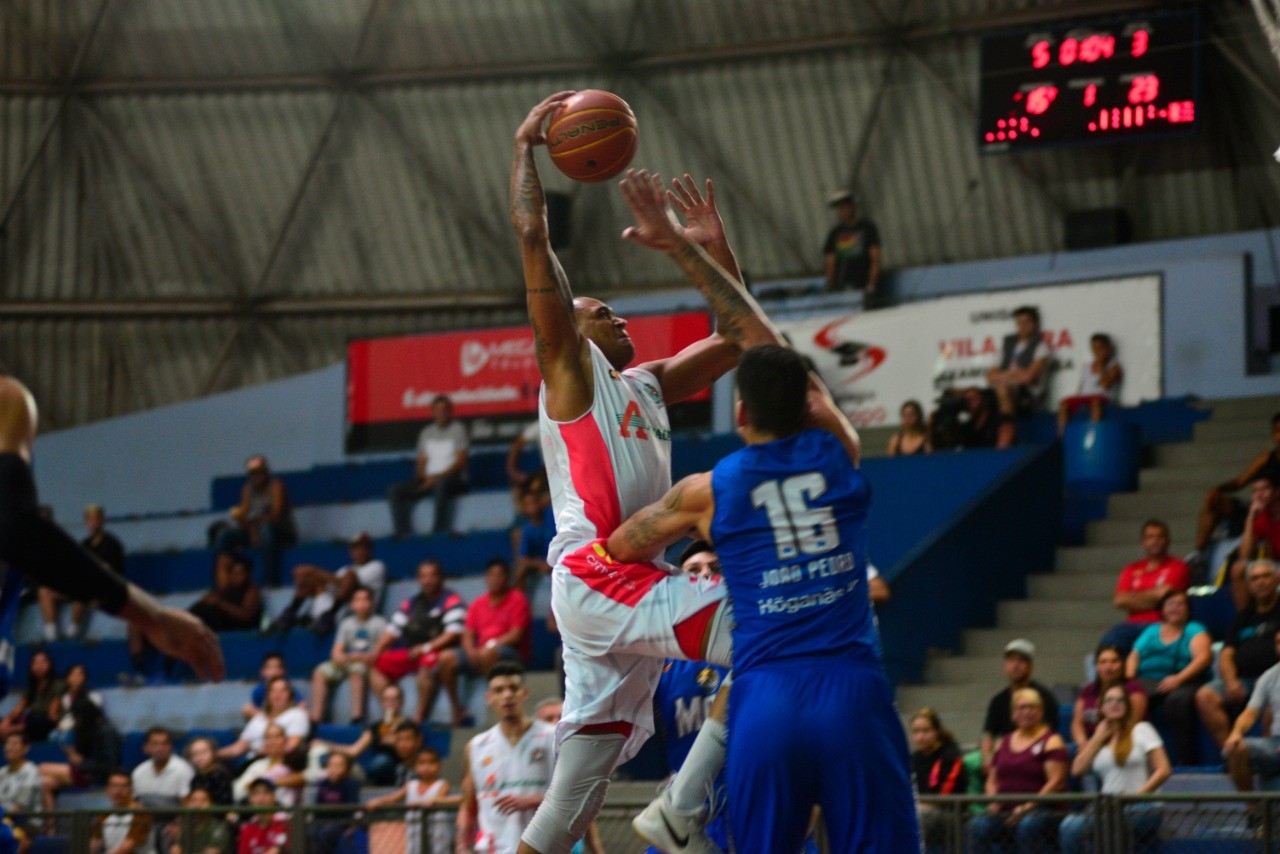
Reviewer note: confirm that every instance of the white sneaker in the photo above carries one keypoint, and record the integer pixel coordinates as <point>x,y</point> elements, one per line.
<point>674,832</point>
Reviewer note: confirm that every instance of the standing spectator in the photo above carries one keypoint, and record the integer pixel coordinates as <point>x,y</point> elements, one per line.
<point>424,789</point>
<point>1108,667</point>
<point>424,631</point>
<point>127,831</point>
<point>1170,660</point>
<point>93,750</point>
<point>210,774</point>
<point>1247,652</point>
<point>273,765</point>
<point>497,626</point>
<point>329,591</point>
<point>852,251</point>
<point>234,603</point>
<point>439,471</point>
<point>209,833</point>
<point>337,788</point>
<point>380,737</point>
<point>40,707</point>
<point>938,767</point>
<point>1218,502</point>
<point>265,832</point>
<point>280,709</point>
<point>351,656</point>
<point>1129,756</point>
<point>20,780</point>
<point>263,519</point>
<point>105,547</point>
<point>1144,583</point>
<point>1019,664</point>
<point>1099,383</point>
<point>1261,755</point>
<point>163,780</point>
<point>1023,373</point>
<point>912,437</point>
<point>536,533</point>
<point>1261,536</point>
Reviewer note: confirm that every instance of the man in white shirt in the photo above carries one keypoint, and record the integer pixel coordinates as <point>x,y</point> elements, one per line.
<point>164,779</point>
<point>440,471</point>
<point>330,591</point>
<point>20,780</point>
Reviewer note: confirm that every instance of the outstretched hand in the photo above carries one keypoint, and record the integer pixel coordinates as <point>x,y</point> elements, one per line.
<point>177,634</point>
<point>702,221</point>
<point>655,226</point>
<point>530,130</point>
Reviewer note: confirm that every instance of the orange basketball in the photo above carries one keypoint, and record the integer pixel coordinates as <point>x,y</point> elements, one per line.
<point>593,136</point>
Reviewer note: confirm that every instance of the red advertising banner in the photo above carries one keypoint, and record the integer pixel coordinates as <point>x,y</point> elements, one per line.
<point>488,373</point>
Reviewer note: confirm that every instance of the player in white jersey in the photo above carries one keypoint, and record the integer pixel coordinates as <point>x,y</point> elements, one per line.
<point>606,445</point>
<point>507,768</point>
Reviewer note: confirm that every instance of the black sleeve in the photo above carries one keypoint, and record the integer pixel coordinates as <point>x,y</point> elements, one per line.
<point>829,245</point>
<point>873,233</point>
<point>993,723</point>
<point>1050,707</point>
<point>1233,631</point>
<point>115,554</point>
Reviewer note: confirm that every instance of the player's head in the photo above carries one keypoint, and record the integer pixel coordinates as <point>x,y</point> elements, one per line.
<point>17,418</point>
<point>598,324</point>
<point>773,391</point>
<point>700,559</point>
<point>506,692</point>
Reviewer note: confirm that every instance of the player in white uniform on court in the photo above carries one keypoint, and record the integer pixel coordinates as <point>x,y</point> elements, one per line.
<point>606,445</point>
<point>507,770</point>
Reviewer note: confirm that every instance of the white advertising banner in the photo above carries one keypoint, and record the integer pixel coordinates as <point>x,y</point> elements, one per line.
<point>874,362</point>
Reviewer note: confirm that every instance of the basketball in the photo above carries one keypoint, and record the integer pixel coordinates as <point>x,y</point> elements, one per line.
<point>593,136</point>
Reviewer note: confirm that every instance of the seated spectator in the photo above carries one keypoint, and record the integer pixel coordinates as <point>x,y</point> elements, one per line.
<point>92,750</point>
<point>209,834</point>
<point>351,656</point>
<point>1019,664</point>
<point>497,627</point>
<point>440,471</point>
<point>337,788</point>
<point>981,424</point>
<point>1259,755</point>
<point>536,533</point>
<point>127,831</point>
<point>1108,667</point>
<point>40,707</point>
<point>265,832</point>
<point>1144,583</point>
<point>1099,383</point>
<point>1032,759</point>
<point>408,744</point>
<point>210,774</point>
<point>380,738</point>
<point>20,782</point>
<point>424,789</point>
<point>1248,651</point>
<point>77,684</point>
<point>262,520</point>
<point>329,591</point>
<point>1261,537</point>
<point>281,709</point>
<point>421,639</point>
<point>234,603</point>
<point>272,667</point>
<point>1171,660</point>
<point>522,481</point>
<point>272,765</point>
<point>1219,504</point>
<point>1129,756</point>
<point>105,547</point>
<point>912,437</point>
<point>163,780</point>
<point>938,767</point>
<point>1021,377</point>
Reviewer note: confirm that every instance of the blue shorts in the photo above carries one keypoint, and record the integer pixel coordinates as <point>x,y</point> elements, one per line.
<point>811,734</point>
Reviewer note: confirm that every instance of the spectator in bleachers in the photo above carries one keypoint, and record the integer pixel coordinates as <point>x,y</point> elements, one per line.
<point>380,737</point>
<point>1023,373</point>
<point>20,781</point>
<point>1019,664</point>
<point>424,789</point>
<point>92,751</point>
<point>938,767</point>
<point>351,657</point>
<point>1129,756</point>
<point>1260,755</point>
<point>329,591</point>
<point>1261,537</point>
<point>280,709</point>
<point>337,788</point>
<point>1170,660</point>
<point>1031,759</point>
<point>1144,583</point>
<point>421,639</point>
<point>105,547</point>
<point>912,437</point>
<point>40,707</point>
<point>274,765</point>
<point>127,831</point>
<point>210,774</point>
<point>77,683</point>
<point>262,520</point>
<point>980,423</point>
<point>1248,651</point>
<point>1218,505</point>
<point>209,833</point>
<point>549,710</point>
<point>536,533</point>
<point>234,603</point>
<point>272,667</point>
<point>522,481</point>
<point>265,832</point>
<point>851,253</point>
<point>408,744</point>
<point>440,470</point>
<point>163,780</point>
<point>497,626</point>
<point>1099,383</point>
<point>1108,667</point>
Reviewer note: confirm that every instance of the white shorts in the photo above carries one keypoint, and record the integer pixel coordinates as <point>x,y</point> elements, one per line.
<point>619,623</point>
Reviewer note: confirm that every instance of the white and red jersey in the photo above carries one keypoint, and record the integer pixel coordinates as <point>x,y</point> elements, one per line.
<point>500,768</point>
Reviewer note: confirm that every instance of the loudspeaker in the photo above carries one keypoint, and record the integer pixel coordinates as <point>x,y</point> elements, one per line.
<point>559,210</point>
<point>1098,227</point>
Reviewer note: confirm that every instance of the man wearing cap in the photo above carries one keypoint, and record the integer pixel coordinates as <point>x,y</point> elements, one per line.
<point>330,591</point>
<point>852,249</point>
<point>263,519</point>
<point>1019,662</point>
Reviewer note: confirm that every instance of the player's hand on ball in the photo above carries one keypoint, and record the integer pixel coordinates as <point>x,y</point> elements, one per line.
<point>530,130</point>
<point>702,221</point>
<point>655,224</point>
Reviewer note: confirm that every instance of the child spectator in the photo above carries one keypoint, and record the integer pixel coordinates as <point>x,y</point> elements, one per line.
<point>274,767</point>
<point>408,743</point>
<point>536,533</point>
<point>209,834</point>
<point>20,780</point>
<point>337,788</point>
<point>266,832</point>
<point>351,656</point>
<point>424,789</point>
<point>40,707</point>
<point>211,775</point>
<point>380,737</point>
<point>1099,383</point>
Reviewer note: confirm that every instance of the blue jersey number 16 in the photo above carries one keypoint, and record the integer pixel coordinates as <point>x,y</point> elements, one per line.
<point>797,527</point>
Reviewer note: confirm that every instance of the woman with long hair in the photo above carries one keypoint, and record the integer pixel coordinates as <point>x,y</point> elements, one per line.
<point>1108,668</point>
<point>92,750</point>
<point>280,708</point>
<point>938,766</point>
<point>40,707</point>
<point>913,437</point>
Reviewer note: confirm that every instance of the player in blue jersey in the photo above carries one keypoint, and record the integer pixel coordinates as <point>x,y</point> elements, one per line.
<point>811,715</point>
<point>43,552</point>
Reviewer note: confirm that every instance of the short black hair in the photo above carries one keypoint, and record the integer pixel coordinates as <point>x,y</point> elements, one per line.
<point>697,547</point>
<point>157,730</point>
<point>506,668</point>
<point>1155,523</point>
<point>497,561</point>
<point>1029,311</point>
<point>270,656</point>
<point>1104,338</point>
<point>409,726</point>
<point>120,772</point>
<point>20,735</point>
<point>427,750</point>
<point>774,386</point>
<point>360,588</point>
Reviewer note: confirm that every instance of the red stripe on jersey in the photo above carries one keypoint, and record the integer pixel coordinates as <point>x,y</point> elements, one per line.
<point>625,583</point>
<point>591,471</point>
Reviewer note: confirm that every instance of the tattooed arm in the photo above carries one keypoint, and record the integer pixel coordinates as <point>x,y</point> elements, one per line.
<point>563,358</point>
<point>685,510</point>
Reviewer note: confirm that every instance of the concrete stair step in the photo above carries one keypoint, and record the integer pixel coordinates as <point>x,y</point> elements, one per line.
<point>1193,477</point>
<point>1156,503</point>
<point>1051,669</point>
<point>1073,587</point>
<point>1019,617</point>
<point>1231,452</point>
<point>1087,560</point>
<point>1122,532</point>
<point>1255,430</point>
<point>1244,407</point>
<point>991,642</point>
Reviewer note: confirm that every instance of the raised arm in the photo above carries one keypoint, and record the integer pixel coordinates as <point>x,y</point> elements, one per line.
<point>686,507</point>
<point>560,348</point>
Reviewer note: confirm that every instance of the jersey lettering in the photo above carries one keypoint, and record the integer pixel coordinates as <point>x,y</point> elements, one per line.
<point>691,712</point>
<point>633,412</point>
<point>797,525</point>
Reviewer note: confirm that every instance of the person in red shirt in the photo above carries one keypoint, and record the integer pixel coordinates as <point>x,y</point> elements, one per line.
<point>1261,536</point>
<point>1144,582</point>
<point>497,627</point>
<point>266,832</point>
